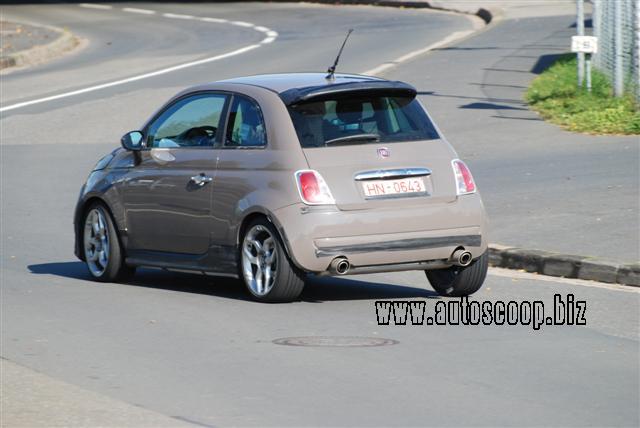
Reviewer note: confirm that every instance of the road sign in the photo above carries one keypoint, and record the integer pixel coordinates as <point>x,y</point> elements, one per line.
<point>584,44</point>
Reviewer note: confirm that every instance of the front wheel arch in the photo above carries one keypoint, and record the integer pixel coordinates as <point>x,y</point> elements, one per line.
<point>115,268</point>
<point>82,212</point>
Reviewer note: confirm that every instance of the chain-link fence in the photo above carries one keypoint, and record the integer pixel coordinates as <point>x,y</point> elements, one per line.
<point>616,24</point>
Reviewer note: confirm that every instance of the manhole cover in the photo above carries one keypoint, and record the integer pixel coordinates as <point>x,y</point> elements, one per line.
<point>337,341</point>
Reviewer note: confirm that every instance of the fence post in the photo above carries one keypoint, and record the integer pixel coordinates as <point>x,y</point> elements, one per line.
<point>618,72</point>
<point>588,68</point>
<point>637,32</point>
<point>580,27</point>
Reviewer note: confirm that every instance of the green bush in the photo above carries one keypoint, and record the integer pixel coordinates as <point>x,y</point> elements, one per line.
<point>555,95</point>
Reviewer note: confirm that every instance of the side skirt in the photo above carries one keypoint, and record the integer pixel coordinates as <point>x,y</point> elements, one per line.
<point>218,260</point>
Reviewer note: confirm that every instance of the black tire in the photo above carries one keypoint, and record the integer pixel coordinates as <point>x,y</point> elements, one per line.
<point>115,269</point>
<point>460,281</point>
<point>288,282</point>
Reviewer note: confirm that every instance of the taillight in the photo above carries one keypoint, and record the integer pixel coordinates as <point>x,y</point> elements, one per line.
<point>313,189</point>
<point>464,179</point>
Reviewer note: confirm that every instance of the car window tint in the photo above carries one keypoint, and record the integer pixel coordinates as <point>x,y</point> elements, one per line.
<point>191,122</point>
<point>394,119</point>
<point>246,126</point>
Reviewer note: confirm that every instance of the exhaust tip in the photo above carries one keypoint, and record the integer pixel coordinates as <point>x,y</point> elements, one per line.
<point>461,257</point>
<point>340,265</point>
<point>465,258</point>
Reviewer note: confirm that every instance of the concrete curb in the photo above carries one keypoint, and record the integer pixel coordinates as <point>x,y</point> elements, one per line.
<point>482,13</point>
<point>40,53</point>
<point>564,265</point>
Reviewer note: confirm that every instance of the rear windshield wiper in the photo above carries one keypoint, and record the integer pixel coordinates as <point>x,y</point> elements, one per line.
<point>353,139</point>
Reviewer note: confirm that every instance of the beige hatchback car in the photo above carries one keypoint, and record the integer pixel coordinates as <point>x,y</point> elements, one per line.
<point>271,178</point>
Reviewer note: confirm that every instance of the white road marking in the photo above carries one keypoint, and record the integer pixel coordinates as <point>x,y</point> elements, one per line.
<point>95,6</point>
<point>476,23</point>
<point>177,16</point>
<point>216,20</point>
<point>136,10</point>
<point>242,23</point>
<point>515,274</point>
<point>404,58</point>
<point>271,36</point>
<point>132,79</point>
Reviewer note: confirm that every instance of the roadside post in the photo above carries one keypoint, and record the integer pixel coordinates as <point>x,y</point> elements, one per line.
<point>580,28</point>
<point>618,76</point>
<point>585,46</point>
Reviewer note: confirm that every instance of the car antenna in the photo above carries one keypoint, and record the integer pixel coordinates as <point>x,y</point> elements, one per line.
<point>332,69</point>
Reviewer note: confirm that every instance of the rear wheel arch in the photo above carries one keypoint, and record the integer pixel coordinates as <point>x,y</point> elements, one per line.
<point>252,216</point>
<point>264,265</point>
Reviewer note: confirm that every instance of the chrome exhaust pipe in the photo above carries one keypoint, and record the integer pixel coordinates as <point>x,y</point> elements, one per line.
<point>340,265</point>
<point>461,257</point>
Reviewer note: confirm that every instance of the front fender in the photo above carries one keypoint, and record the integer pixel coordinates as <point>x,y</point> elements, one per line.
<point>99,187</point>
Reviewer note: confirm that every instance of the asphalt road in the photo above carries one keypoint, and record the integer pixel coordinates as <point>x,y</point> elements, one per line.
<point>195,348</point>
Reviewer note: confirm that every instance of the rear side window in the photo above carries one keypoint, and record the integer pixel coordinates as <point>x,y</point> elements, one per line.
<point>246,126</point>
<point>391,119</point>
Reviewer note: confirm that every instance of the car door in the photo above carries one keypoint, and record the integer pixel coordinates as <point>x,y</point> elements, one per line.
<point>167,195</point>
<point>243,161</point>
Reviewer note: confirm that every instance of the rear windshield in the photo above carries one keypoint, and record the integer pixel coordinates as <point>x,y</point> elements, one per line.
<point>374,118</point>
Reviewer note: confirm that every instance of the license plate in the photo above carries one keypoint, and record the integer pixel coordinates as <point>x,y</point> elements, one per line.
<point>403,186</point>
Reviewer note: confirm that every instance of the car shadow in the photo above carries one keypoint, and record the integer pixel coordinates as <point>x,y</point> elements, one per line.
<point>75,270</point>
<point>317,289</point>
<point>490,106</point>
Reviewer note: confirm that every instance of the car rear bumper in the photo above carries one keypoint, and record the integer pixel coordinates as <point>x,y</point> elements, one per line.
<point>316,235</point>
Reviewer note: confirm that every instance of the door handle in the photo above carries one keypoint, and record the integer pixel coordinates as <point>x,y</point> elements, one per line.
<point>201,180</point>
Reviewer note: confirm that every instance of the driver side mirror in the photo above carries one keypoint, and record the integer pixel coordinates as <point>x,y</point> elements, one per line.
<point>132,141</point>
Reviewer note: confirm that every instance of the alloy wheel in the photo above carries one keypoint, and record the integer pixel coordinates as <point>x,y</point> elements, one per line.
<point>259,260</point>
<point>96,242</point>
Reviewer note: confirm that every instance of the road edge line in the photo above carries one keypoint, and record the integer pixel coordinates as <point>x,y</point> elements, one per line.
<point>451,38</point>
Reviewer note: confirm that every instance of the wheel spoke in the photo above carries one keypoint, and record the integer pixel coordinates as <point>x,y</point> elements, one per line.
<point>267,277</point>
<point>270,258</point>
<point>270,250</point>
<point>96,228</point>
<point>259,281</point>
<point>246,250</point>
<point>100,221</point>
<point>102,258</point>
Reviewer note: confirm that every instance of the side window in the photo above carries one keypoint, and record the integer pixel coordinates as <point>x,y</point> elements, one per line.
<point>191,122</point>
<point>246,126</point>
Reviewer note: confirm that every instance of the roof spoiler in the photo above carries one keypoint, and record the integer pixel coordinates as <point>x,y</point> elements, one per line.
<point>338,90</point>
